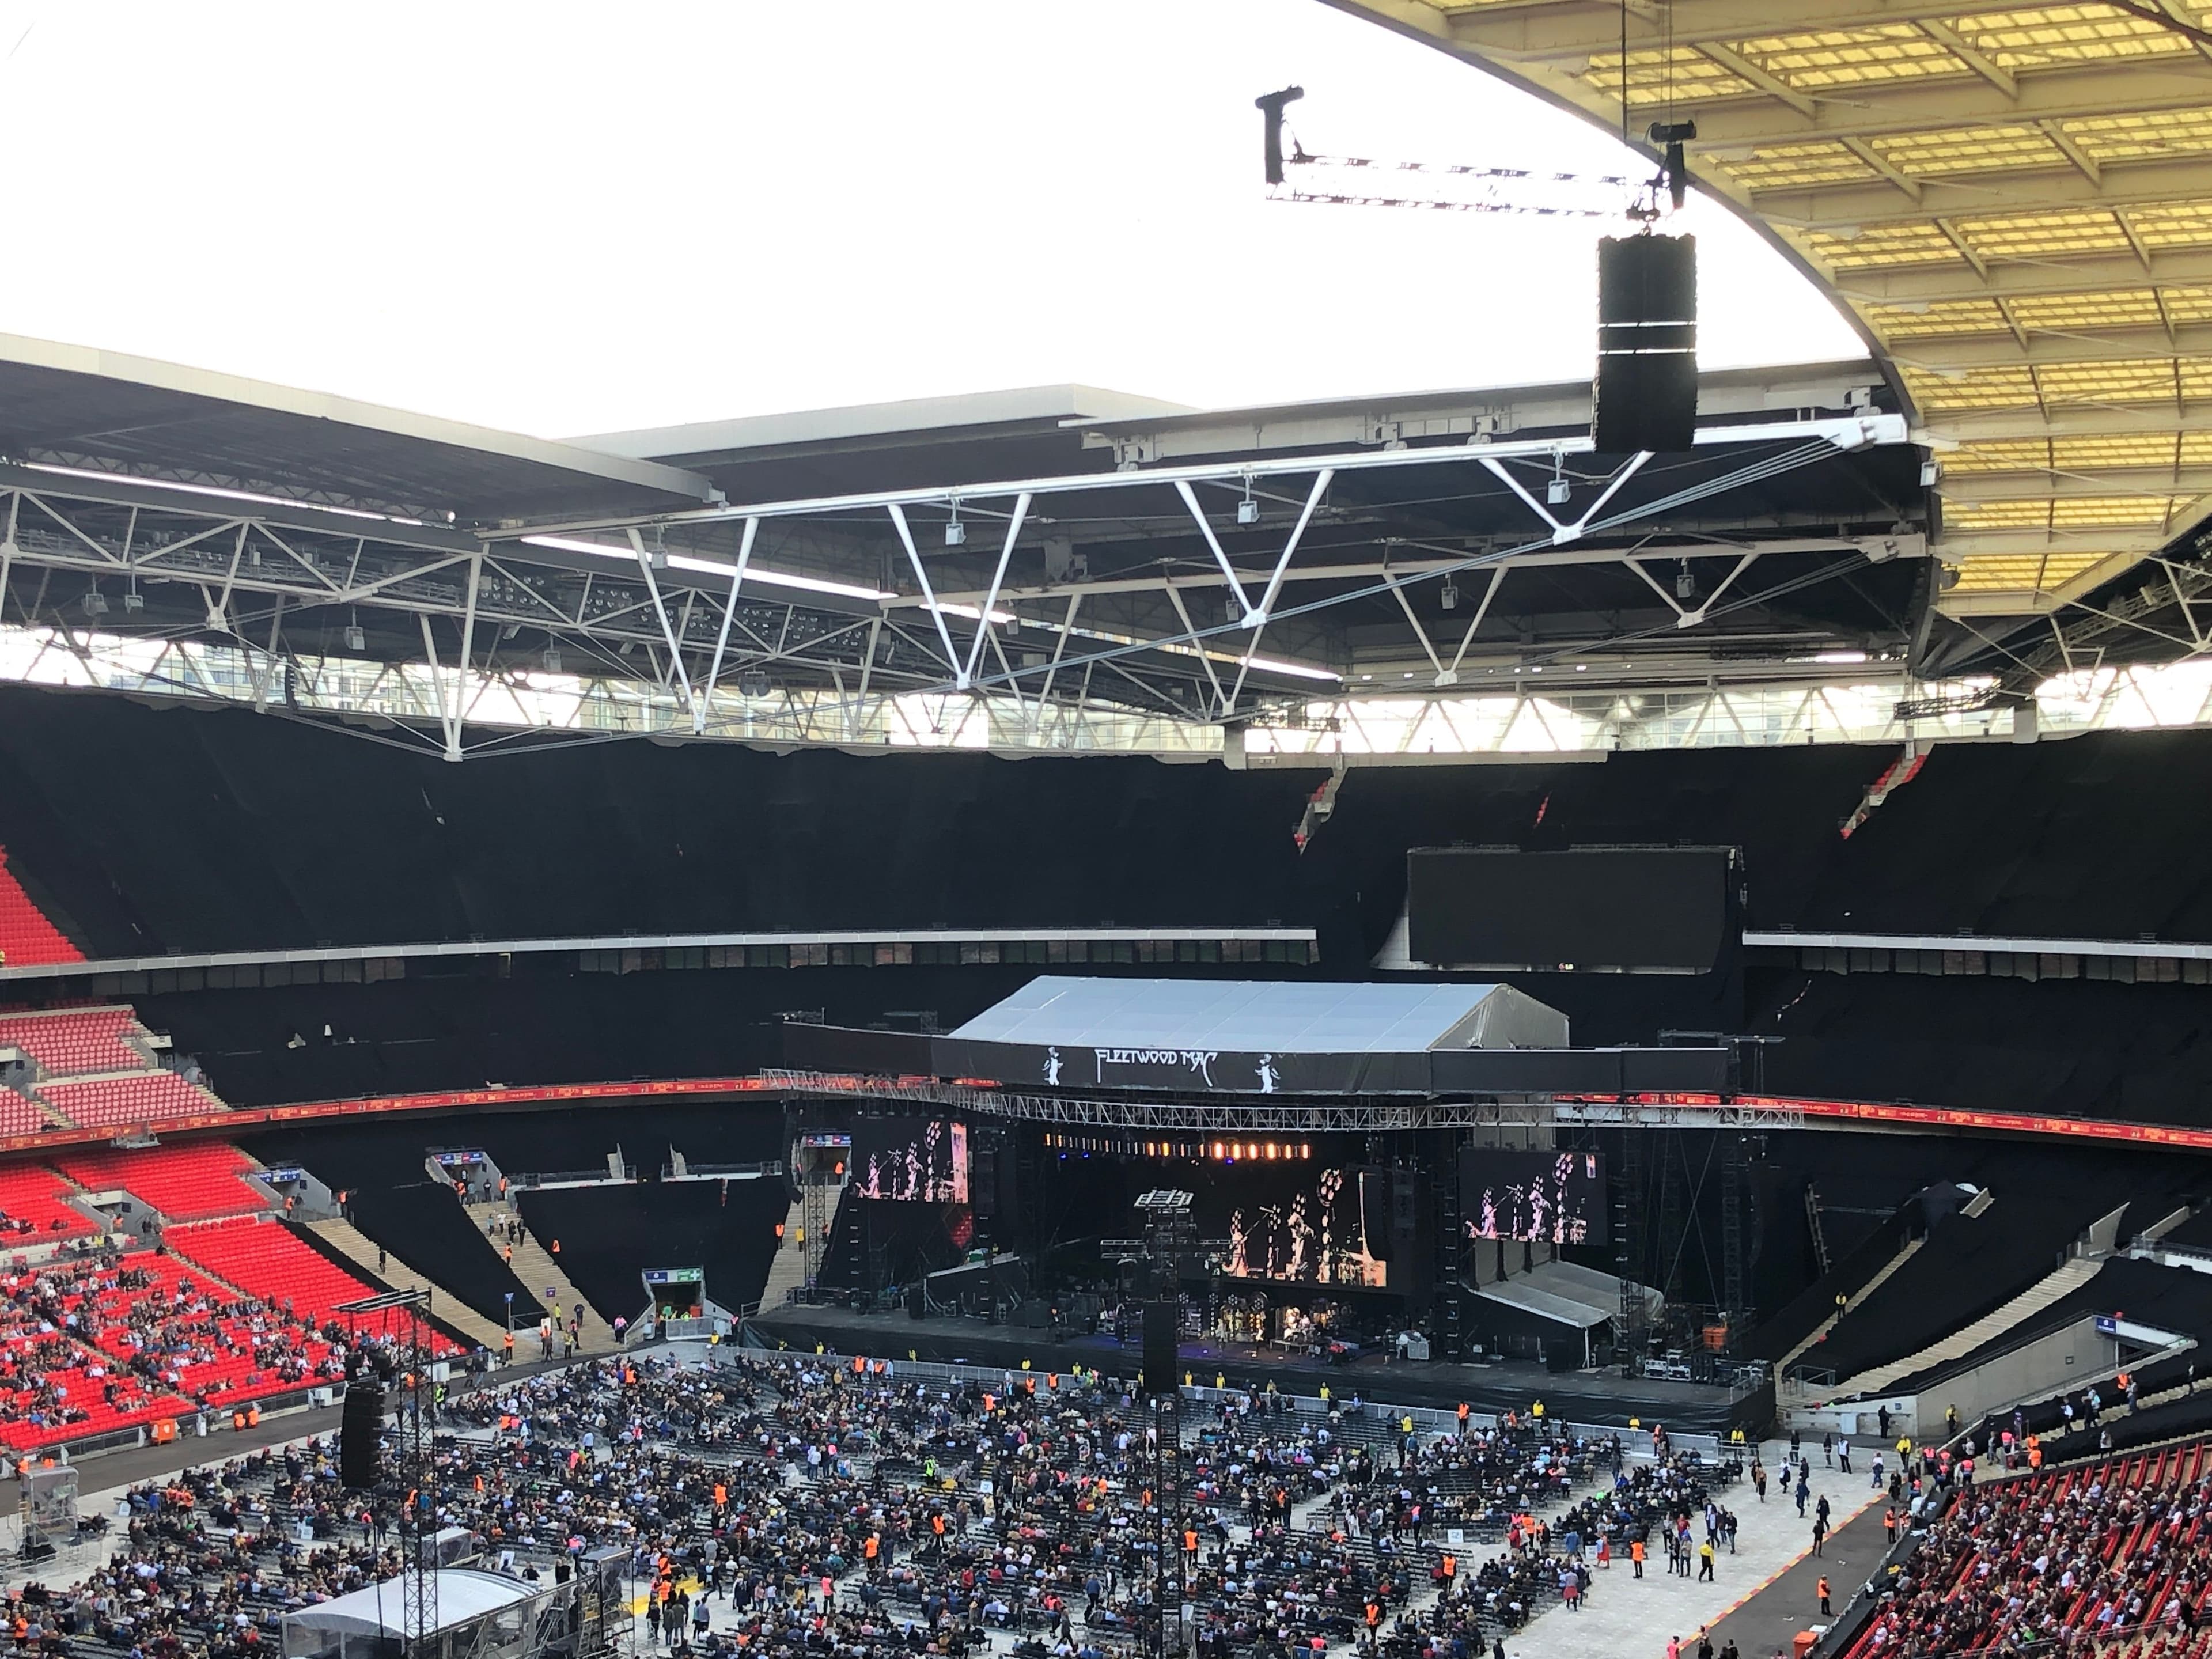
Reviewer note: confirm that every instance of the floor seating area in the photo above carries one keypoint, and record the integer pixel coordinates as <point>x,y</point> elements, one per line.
<point>197,1338</point>
<point>25,935</point>
<point>54,1387</point>
<point>190,1183</point>
<point>2115,1549</point>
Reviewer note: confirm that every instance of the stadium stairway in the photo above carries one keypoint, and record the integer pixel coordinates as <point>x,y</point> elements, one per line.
<point>1912,1248</point>
<point>358,1249</point>
<point>535,1268</point>
<point>2075,1272</point>
<point>786,1270</point>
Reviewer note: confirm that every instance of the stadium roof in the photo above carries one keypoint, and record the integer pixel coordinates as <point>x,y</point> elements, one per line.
<point>2014,204</point>
<point>102,411</point>
<point>1281,1017</point>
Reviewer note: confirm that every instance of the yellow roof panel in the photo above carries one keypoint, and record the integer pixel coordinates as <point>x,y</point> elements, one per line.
<point>2113,308</point>
<point>2177,224</point>
<point>1656,75</point>
<point>2128,380</point>
<point>1883,245</point>
<point>1968,149</point>
<point>2149,135</point>
<point>2187,305</point>
<point>2110,512</point>
<point>1823,58</point>
<point>1925,321</point>
<point>1796,166</point>
<point>2066,37</point>
<point>2083,454</point>
<point>2033,235</point>
<point>1976,388</point>
<point>2034,573</point>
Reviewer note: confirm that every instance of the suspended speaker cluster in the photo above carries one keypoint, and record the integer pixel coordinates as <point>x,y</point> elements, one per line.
<point>1646,396</point>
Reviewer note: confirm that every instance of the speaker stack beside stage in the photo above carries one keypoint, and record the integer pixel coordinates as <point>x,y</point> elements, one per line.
<point>1161,1361</point>
<point>1646,395</point>
<point>361,1434</point>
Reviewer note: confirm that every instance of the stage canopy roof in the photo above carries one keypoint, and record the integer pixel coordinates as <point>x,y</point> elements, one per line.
<point>375,1610</point>
<point>1257,1016</point>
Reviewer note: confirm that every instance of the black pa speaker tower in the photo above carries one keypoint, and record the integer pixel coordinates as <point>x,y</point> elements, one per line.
<point>1646,396</point>
<point>361,1430</point>
<point>1161,1320</point>
<point>914,1305</point>
<point>983,1183</point>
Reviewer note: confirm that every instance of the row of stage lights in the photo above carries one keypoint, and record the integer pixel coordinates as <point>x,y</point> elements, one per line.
<point>1195,1151</point>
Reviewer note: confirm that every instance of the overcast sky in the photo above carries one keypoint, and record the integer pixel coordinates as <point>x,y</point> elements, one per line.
<point>562,218</point>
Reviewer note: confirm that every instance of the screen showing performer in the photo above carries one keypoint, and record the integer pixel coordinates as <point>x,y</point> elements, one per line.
<point>1305,1223</point>
<point>918,1160</point>
<point>1556,1198</point>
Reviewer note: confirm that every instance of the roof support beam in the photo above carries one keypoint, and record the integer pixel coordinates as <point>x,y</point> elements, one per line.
<point>1543,31</point>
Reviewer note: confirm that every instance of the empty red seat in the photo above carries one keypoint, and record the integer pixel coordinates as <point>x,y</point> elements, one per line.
<point>263,1258</point>
<point>39,1196</point>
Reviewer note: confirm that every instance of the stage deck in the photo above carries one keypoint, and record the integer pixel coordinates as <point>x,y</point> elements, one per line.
<point>1598,1397</point>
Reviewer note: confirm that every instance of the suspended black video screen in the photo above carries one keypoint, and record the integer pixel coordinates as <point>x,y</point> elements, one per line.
<point>913,1159</point>
<point>1556,1198</point>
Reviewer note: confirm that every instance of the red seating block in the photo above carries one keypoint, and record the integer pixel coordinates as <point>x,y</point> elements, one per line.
<point>264,1259</point>
<point>25,935</point>
<point>120,1102</point>
<point>39,1196</point>
<point>76,1041</point>
<point>182,1183</point>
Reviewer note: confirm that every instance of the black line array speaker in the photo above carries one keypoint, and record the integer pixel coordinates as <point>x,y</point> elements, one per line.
<point>1646,396</point>
<point>1161,1319</point>
<point>361,1430</point>
<point>983,1183</point>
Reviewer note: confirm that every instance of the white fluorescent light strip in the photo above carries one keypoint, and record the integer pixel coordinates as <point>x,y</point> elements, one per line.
<point>214,490</point>
<point>754,573</point>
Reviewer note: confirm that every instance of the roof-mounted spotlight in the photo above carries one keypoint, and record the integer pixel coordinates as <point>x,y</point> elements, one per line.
<point>95,603</point>
<point>1248,510</point>
<point>1447,595</point>
<point>355,639</point>
<point>955,534</point>
<point>552,658</point>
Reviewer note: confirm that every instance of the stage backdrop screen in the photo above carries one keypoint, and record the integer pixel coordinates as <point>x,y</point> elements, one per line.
<point>1555,1197</point>
<point>914,1159</point>
<point>1302,1222</point>
<point>1654,909</point>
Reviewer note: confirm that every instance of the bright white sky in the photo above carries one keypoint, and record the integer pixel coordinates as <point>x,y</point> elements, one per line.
<point>565,218</point>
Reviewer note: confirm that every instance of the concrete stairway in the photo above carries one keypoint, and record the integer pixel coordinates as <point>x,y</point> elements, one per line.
<point>2076,1272</point>
<point>786,1271</point>
<point>358,1247</point>
<point>537,1270</point>
<point>1912,1248</point>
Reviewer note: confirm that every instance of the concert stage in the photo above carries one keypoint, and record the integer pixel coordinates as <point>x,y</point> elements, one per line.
<point>1598,1397</point>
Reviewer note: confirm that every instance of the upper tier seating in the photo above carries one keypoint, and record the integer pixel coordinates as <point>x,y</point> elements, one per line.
<point>182,1183</point>
<point>29,1194</point>
<point>265,1258</point>
<point>19,1116</point>
<point>75,1042</point>
<point>26,936</point>
<point>120,1102</point>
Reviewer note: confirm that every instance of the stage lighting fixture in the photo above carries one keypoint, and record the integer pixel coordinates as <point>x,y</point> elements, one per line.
<point>1447,595</point>
<point>955,534</point>
<point>753,683</point>
<point>133,599</point>
<point>95,603</point>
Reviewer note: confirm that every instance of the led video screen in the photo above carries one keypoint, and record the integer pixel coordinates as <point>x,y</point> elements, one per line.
<point>916,1160</point>
<point>1655,909</point>
<point>1302,1223</point>
<point>1557,1198</point>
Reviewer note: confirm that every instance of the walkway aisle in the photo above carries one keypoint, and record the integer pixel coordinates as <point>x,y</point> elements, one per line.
<point>1632,1619</point>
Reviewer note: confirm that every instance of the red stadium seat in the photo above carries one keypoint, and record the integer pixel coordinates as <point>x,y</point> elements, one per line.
<point>120,1102</point>
<point>265,1259</point>
<point>76,1041</point>
<point>25,935</point>
<point>181,1183</point>
<point>39,1196</point>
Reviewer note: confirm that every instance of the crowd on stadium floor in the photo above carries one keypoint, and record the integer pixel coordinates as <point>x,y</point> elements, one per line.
<point>801,1504</point>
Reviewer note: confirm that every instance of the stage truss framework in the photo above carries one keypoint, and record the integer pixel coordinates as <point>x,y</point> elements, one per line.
<point>1352,1115</point>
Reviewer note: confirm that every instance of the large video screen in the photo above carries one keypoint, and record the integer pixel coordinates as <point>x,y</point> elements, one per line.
<point>917,1160</point>
<point>1300,1223</point>
<point>1651,909</point>
<point>1557,1198</point>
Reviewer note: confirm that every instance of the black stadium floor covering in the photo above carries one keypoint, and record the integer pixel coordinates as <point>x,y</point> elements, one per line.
<point>1596,1397</point>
